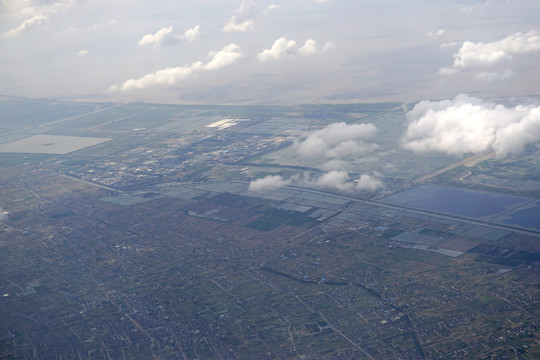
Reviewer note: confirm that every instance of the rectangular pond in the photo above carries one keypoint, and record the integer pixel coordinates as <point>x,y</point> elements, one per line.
<point>527,216</point>
<point>455,201</point>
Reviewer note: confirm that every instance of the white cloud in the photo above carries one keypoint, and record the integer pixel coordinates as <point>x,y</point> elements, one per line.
<point>491,77</point>
<point>165,36</point>
<point>82,53</point>
<point>360,68</point>
<point>3,214</point>
<point>436,32</point>
<point>470,125</point>
<point>268,183</point>
<point>448,44</point>
<point>242,20</point>
<point>26,25</point>
<point>155,38</point>
<point>172,76</point>
<point>328,46</point>
<point>336,140</point>
<point>168,76</point>
<point>224,57</point>
<point>37,7</point>
<point>336,180</point>
<point>192,34</point>
<point>285,47</point>
<point>280,48</point>
<point>39,12</point>
<point>332,180</point>
<point>340,180</point>
<point>311,47</point>
<point>368,183</point>
<point>485,54</point>
<point>243,26</point>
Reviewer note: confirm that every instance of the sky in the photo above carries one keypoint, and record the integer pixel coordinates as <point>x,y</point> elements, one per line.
<point>268,52</point>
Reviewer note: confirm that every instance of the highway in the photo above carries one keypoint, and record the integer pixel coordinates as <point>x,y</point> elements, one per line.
<point>474,159</point>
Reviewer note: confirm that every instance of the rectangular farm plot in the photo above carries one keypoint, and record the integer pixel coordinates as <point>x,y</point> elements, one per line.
<point>415,238</point>
<point>50,144</point>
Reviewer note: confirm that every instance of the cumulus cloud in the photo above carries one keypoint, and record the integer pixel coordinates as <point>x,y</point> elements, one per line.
<point>38,13</point>
<point>285,47</point>
<point>168,76</point>
<point>311,47</point>
<point>243,18</point>
<point>280,48</point>
<point>336,140</point>
<point>491,77</point>
<point>165,36</point>
<point>26,25</point>
<point>192,34</point>
<point>436,32</point>
<point>336,180</point>
<point>368,183</point>
<point>155,38</point>
<point>224,57</point>
<point>341,181</point>
<point>481,54</point>
<point>268,183</point>
<point>171,76</point>
<point>470,125</point>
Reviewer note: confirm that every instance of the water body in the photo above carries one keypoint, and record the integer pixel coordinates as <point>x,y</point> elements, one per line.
<point>454,201</point>
<point>528,217</point>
